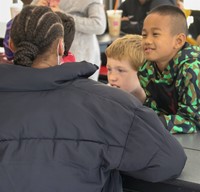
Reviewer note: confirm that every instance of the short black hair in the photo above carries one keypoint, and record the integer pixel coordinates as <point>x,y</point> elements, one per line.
<point>178,18</point>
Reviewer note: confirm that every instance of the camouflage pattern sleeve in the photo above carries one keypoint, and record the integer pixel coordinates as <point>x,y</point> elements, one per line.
<point>187,118</point>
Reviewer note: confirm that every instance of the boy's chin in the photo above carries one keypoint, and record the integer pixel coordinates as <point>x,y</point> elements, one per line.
<point>150,59</point>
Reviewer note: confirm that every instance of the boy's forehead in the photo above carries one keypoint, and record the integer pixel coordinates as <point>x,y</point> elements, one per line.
<point>118,62</point>
<point>157,20</point>
<point>157,16</point>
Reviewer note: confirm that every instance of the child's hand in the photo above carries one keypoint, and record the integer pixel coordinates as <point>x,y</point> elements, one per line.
<point>125,19</point>
<point>43,3</point>
<point>54,4</point>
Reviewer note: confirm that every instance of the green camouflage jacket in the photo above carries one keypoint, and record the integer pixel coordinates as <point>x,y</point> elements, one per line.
<point>175,93</point>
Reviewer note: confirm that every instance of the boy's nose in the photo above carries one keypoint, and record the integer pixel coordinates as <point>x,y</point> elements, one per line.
<point>147,40</point>
<point>112,77</point>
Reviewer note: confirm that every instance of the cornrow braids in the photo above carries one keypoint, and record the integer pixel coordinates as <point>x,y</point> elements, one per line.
<point>69,30</point>
<point>33,32</point>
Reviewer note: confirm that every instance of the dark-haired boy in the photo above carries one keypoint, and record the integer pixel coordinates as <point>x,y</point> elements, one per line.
<point>171,75</point>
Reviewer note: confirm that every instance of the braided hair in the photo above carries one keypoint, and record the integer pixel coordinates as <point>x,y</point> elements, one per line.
<point>69,30</point>
<point>33,32</point>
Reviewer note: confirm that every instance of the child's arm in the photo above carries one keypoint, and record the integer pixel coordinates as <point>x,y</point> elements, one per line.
<point>186,101</point>
<point>187,119</point>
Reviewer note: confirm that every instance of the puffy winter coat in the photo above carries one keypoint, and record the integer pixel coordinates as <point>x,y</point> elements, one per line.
<point>61,132</point>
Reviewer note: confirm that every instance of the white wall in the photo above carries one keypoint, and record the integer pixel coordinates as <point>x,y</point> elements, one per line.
<point>192,4</point>
<point>5,14</point>
<point>5,10</point>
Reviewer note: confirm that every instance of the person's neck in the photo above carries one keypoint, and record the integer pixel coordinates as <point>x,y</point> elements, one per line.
<point>42,65</point>
<point>42,62</point>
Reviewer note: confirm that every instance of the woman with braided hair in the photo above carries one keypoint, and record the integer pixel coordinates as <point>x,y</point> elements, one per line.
<point>32,39</point>
<point>60,131</point>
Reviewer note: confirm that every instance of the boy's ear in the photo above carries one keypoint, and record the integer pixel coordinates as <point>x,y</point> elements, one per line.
<point>180,40</point>
<point>11,45</point>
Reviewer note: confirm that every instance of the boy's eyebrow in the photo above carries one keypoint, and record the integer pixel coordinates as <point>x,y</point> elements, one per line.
<point>156,28</point>
<point>153,29</point>
<point>117,66</point>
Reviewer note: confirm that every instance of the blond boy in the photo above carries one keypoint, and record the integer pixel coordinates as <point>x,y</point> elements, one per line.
<point>124,56</point>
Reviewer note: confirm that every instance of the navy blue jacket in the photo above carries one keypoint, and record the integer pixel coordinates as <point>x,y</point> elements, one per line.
<point>60,131</point>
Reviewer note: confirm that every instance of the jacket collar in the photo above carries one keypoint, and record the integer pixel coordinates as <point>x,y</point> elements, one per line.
<point>19,78</point>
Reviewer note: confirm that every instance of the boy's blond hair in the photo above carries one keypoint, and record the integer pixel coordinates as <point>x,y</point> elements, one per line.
<point>129,48</point>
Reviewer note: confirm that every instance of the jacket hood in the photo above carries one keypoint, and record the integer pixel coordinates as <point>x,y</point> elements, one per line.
<point>12,77</point>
